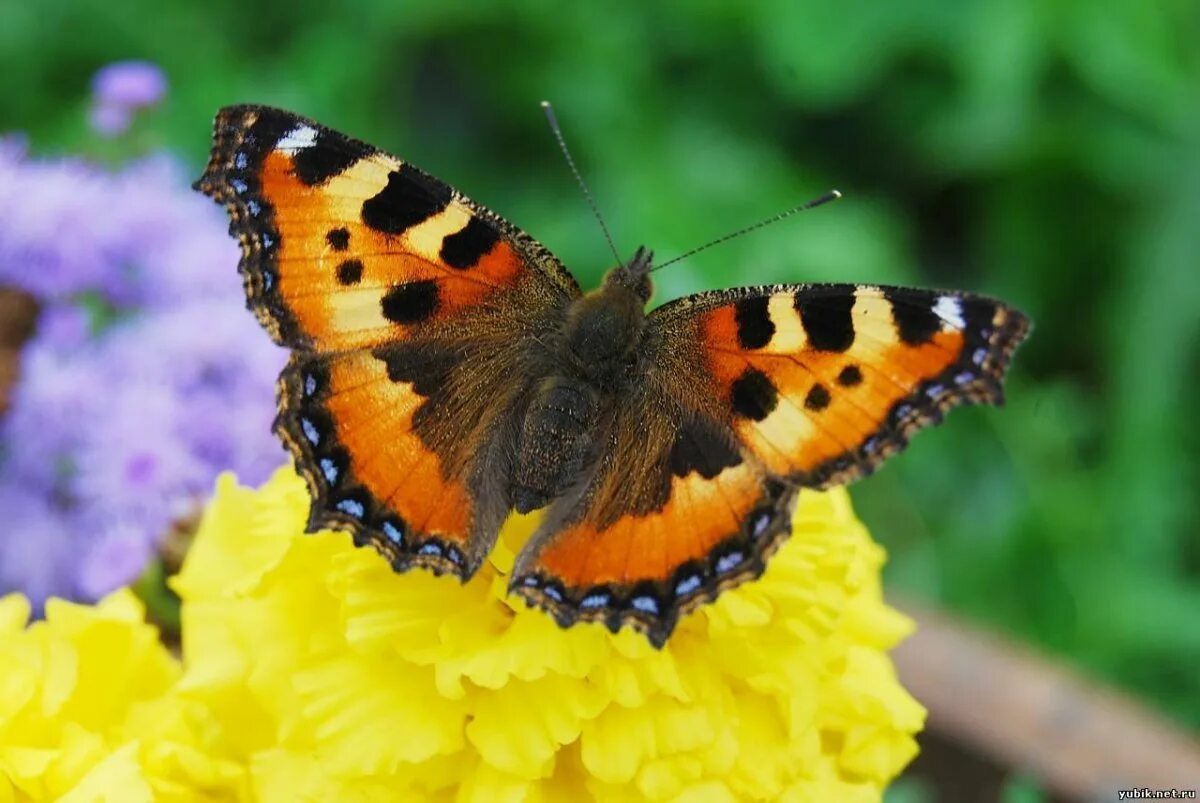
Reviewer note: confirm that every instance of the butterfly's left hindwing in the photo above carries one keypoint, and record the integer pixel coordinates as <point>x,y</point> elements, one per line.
<point>389,442</point>
<point>751,395</point>
<point>409,308</point>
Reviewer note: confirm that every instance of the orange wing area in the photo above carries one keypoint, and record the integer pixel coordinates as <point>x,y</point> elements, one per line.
<point>699,514</point>
<point>351,429</point>
<point>757,392</point>
<point>345,247</point>
<point>822,383</point>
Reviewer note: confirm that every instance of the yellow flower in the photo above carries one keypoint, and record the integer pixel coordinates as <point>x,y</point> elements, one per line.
<point>311,671</point>
<point>330,677</point>
<point>84,711</point>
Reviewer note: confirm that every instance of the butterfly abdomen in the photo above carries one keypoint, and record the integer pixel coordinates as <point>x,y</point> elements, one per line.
<point>556,441</point>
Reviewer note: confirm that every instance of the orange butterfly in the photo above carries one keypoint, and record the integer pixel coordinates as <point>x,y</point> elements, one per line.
<point>447,369</point>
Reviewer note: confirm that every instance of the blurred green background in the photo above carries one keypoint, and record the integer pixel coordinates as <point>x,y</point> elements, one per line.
<point>1044,152</point>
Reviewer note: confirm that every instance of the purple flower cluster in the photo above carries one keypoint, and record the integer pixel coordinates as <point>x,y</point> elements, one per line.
<point>120,90</point>
<point>146,376</point>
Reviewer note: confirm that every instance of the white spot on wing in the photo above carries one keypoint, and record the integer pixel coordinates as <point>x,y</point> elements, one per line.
<point>949,309</point>
<point>871,316</point>
<point>351,507</point>
<point>300,137</point>
<point>427,236</point>
<point>789,333</point>
<point>645,604</point>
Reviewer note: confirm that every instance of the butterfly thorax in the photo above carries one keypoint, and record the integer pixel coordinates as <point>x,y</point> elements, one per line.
<point>596,356</point>
<point>601,332</point>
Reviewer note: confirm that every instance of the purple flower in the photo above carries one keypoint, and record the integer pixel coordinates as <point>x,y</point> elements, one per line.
<point>37,542</point>
<point>116,557</point>
<point>145,379</point>
<point>109,121</point>
<point>132,84</point>
<point>44,427</point>
<point>63,326</point>
<point>57,236</point>
<point>71,229</point>
<point>121,89</point>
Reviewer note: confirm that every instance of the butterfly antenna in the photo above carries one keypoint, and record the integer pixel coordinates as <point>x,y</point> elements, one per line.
<point>832,195</point>
<point>562,143</point>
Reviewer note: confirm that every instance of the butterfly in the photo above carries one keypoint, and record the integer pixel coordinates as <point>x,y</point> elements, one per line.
<point>447,369</point>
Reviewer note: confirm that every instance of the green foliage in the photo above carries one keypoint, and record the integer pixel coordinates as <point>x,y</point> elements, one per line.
<point>1044,152</point>
<point>1022,789</point>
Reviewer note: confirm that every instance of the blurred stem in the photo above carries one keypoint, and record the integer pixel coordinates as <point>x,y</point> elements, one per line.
<point>162,605</point>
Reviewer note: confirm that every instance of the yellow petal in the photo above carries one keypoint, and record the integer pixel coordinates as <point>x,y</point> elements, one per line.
<point>14,613</point>
<point>370,714</point>
<point>522,739</point>
<point>116,779</point>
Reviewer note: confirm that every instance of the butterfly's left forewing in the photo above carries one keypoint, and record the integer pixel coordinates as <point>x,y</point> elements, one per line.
<point>347,247</point>
<point>750,395</point>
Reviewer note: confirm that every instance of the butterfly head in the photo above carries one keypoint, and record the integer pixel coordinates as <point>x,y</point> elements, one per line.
<point>634,275</point>
<point>605,326</point>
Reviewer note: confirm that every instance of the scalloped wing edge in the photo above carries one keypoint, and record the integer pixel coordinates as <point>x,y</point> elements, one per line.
<point>337,501</point>
<point>654,608</point>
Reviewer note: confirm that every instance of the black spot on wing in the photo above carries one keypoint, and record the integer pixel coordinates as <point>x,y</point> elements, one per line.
<point>350,272</point>
<point>328,156</point>
<point>468,245</point>
<point>818,398</point>
<point>409,198</point>
<point>850,376</point>
<point>268,128</point>
<point>411,302</point>
<point>754,325</point>
<point>701,449</point>
<point>426,367</point>
<point>430,371</point>
<point>338,239</point>
<point>754,396</point>
<point>979,315</point>
<point>912,312</point>
<point>826,319</point>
